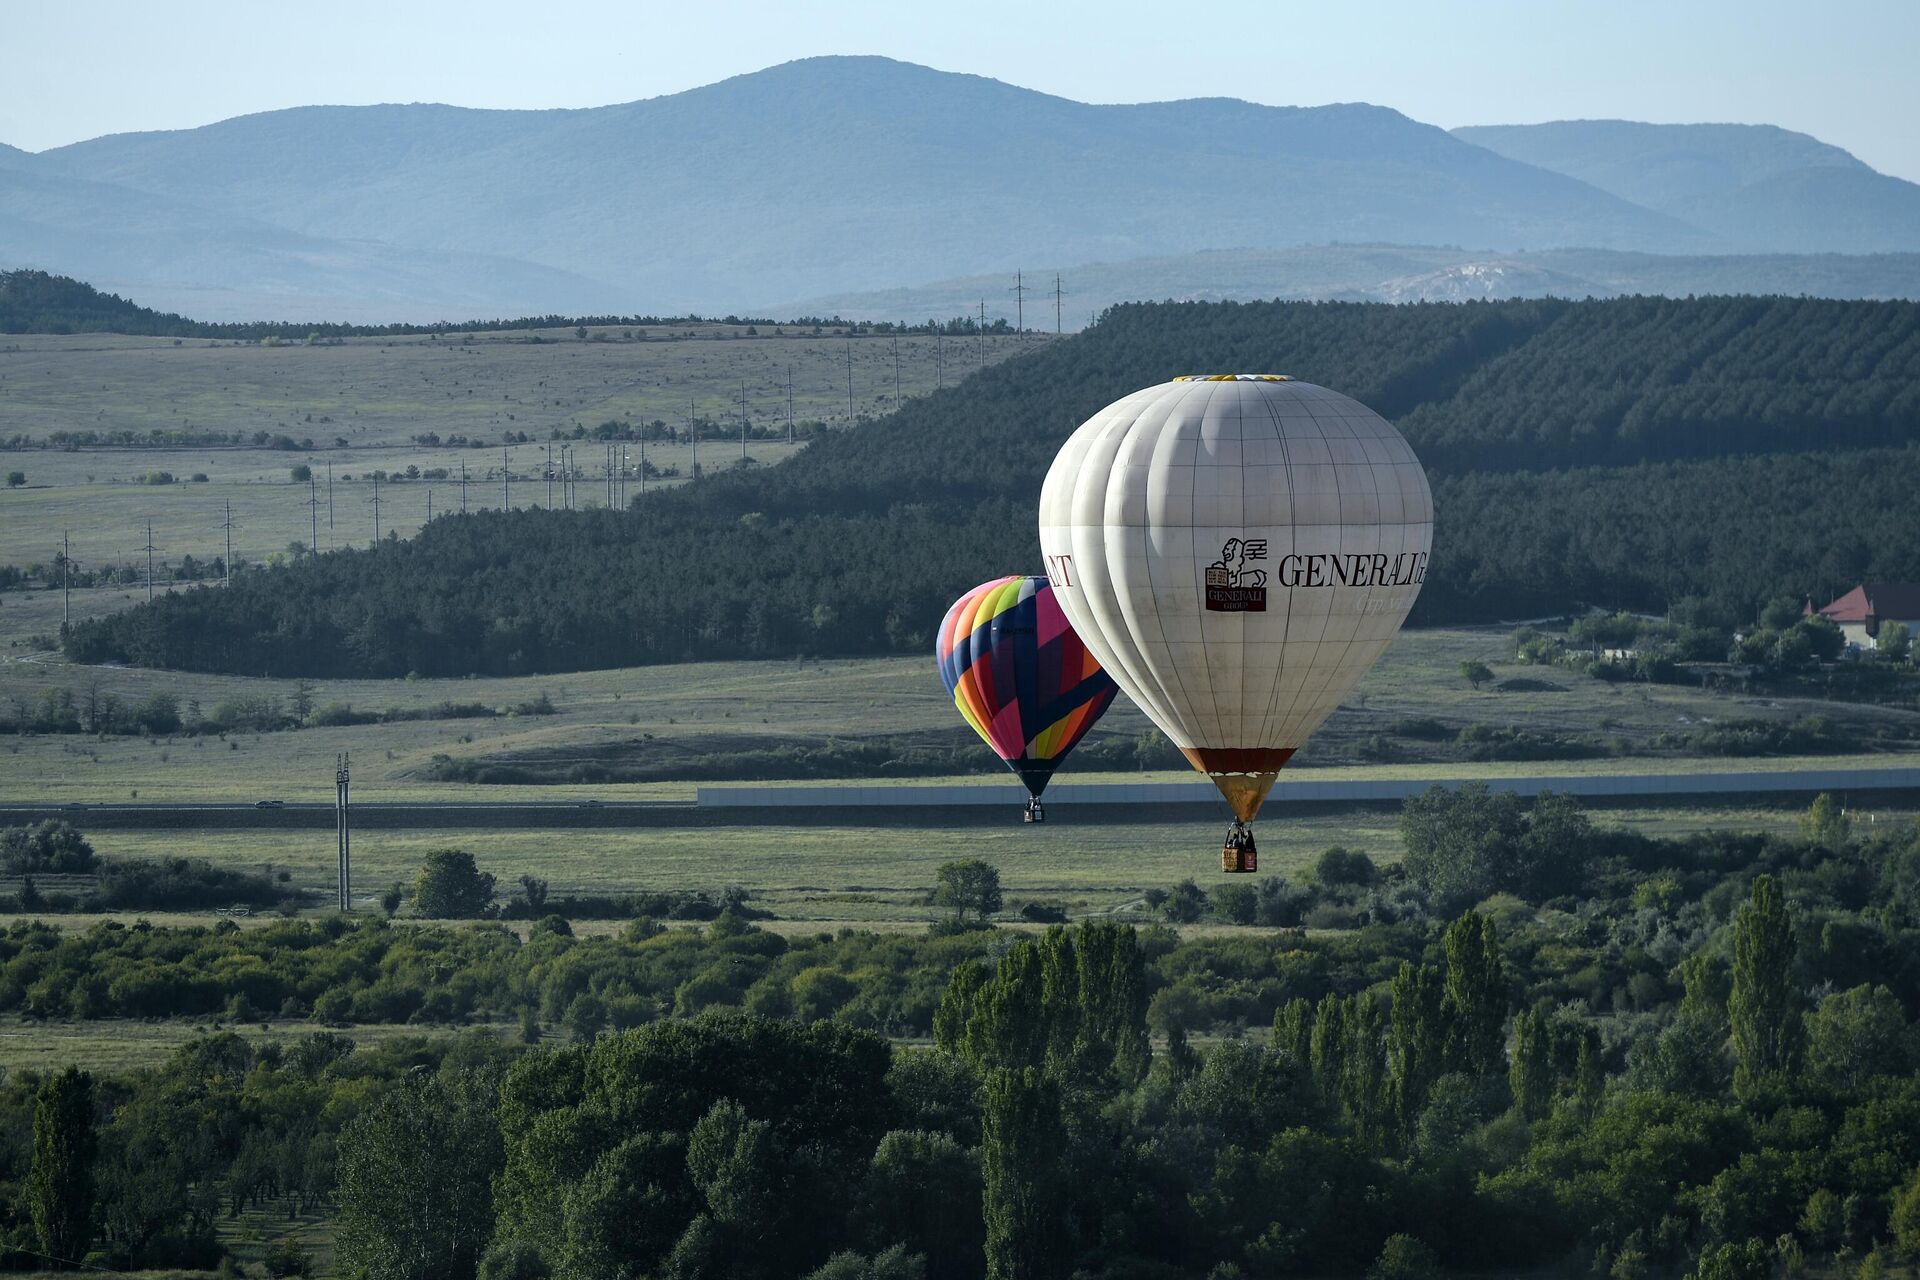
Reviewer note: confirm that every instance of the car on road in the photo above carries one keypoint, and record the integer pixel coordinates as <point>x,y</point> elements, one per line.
<point>592,804</point>
<point>73,805</point>
<point>269,804</point>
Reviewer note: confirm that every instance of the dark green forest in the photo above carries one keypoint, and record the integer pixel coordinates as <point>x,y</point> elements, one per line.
<point>1624,454</point>
<point>1537,1046</point>
<point>37,302</point>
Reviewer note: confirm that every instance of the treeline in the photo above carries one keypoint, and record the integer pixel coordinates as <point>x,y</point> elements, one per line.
<point>1623,1057</point>
<point>33,301</point>
<point>76,879</point>
<point>58,710</point>
<point>858,545</point>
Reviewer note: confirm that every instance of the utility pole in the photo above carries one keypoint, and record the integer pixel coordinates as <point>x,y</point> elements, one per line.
<point>743,422</point>
<point>1058,294</point>
<point>66,580</point>
<point>693,434</point>
<point>1019,292</point>
<point>789,406</point>
<point>429,506</point>
<point>330,506</point>
<point>463,486</point>
<point>896,371</point>
<point>342,823</point>
<point>226,576</point>
<point>623,477</point>
<point>313,512</point>
<point>549,475</point>
<point>149,561</point>
<point>983,333</point>
<point>939,362</point>
<point>376,510</point>
<point>506,482</point>
<point>643,459</point>
<point>849,381</point>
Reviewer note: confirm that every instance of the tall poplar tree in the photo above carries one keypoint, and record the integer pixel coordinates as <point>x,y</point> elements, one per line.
<point>1763,1006</point>
<point>1417,1039</point>
<point>60,1182</point>
<point>1476,1000</point>
<point>1022,1138</point>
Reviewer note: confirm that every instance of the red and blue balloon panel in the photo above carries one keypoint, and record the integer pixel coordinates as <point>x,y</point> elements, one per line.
<point>1020,676</point>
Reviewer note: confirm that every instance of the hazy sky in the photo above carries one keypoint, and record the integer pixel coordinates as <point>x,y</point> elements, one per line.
<point>1842,70</point>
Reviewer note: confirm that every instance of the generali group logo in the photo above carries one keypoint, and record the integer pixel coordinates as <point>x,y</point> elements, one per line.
<point>1233,585</point>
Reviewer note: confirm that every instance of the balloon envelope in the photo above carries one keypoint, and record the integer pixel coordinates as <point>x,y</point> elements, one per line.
<point>1236,550</point>
<point>1020,676</point>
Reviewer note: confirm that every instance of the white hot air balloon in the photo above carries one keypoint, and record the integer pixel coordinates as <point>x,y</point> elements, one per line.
<point>1236,550</point>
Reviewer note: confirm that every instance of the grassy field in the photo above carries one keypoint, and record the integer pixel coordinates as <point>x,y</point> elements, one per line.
<point>865,874</point>
<point>606,716</point>
<point>364,400</point>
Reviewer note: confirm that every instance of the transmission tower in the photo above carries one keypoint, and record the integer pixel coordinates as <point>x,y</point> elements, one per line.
<point>1058,294</point>
<point>743,422</point>
<point>463,486</point>
<point>376,510</point>
<point>226,576</point>
<point>66,580</point>
<point>330,507</point>
<point>313,513</point>
<point>1019,292</point>
<point>789,406</point>
<point>506,482</point>
<point>342,821</point>
<point>849,380</point>
<point>896,371</point>
<point>149,561</point>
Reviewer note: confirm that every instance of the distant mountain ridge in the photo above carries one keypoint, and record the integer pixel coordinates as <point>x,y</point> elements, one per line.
<point>1385,273</point>
<point>1756,187</point>
<point>824,175</point>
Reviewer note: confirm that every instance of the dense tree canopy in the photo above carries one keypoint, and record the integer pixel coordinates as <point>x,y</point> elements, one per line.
<point>1561,437</point>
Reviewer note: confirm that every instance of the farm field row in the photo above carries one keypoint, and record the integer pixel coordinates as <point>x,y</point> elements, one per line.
<point>363,403</point>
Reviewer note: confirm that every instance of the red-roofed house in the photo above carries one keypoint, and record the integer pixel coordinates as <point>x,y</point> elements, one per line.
<point>1862,610</point>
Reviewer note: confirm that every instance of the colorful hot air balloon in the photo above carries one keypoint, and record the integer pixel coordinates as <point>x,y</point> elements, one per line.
<point>1021,677</point>
<point>1236,550</point>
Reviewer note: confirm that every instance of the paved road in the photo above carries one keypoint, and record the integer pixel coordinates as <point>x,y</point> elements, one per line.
<point>964,805</point>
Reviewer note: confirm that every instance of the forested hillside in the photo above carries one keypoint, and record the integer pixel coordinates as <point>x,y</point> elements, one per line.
<point>1623,453</point>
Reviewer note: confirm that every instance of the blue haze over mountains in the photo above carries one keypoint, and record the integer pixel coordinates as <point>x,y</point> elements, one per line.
<point>833,178</point>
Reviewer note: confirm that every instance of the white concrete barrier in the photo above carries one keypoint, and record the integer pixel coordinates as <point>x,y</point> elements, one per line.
<point>1309,790</point>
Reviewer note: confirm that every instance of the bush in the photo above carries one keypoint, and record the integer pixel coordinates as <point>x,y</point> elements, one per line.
<point>1345,866</point>
<point>180,884</point>
<point>1404,1258</point>
<point>53,847</point>
<point>451,887</point>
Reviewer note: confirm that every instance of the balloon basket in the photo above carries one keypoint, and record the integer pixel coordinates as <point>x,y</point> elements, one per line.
<point>1239,856</point>
<point>1036,812</point>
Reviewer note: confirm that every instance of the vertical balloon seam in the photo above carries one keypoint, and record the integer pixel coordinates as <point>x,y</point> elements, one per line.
<point>1129,432</point>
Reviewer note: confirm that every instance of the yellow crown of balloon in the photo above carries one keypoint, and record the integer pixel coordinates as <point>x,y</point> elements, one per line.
<point>1234,377</point>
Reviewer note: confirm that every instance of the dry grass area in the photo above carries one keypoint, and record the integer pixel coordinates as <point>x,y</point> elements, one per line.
<point>363,401</point>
